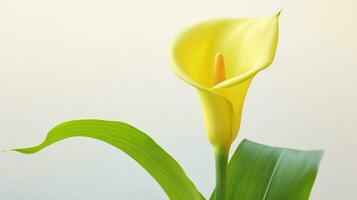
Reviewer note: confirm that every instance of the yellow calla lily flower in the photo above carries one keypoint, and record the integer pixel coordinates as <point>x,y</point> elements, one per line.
<point>219,58</point>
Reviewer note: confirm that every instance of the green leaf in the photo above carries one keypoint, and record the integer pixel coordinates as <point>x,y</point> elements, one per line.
<point>160,165</point>
<point>260,172</point>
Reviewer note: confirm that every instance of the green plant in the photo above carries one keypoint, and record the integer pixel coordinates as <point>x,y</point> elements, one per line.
<point>255,171</point>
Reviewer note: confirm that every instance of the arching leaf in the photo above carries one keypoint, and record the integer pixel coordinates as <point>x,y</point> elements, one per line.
<point>160,165</point>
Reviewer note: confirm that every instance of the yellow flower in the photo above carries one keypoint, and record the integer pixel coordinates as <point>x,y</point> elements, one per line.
<point>219,58</point>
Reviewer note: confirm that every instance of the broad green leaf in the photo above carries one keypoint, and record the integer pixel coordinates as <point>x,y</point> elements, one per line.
<point>260,172</point>
<point>160,165</point>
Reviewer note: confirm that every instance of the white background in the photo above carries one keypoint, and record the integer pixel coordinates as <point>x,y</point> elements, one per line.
<point>73,59</point>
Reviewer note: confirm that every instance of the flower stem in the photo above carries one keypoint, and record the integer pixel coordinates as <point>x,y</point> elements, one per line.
<point>221,158</point>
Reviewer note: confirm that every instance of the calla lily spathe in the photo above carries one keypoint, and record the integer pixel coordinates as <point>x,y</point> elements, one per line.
<point>219,58</point>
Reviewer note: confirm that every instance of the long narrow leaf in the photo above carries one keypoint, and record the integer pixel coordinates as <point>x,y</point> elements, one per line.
<point>161,166</point>
<point>260,172</point>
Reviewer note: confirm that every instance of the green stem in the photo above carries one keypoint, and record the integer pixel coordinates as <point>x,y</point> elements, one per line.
<point>221,157</point>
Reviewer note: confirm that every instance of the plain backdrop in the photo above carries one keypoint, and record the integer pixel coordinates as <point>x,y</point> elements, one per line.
<point>75,59</point>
